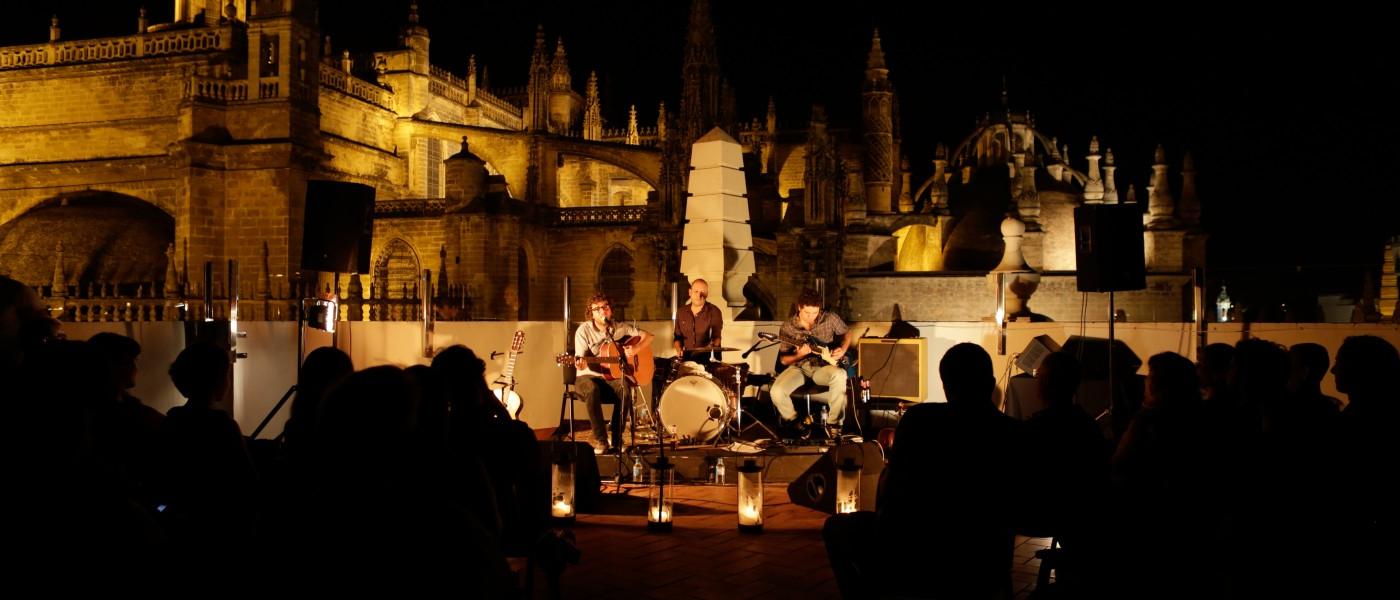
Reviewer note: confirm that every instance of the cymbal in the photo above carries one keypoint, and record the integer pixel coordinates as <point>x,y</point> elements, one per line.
<point>711,349</point>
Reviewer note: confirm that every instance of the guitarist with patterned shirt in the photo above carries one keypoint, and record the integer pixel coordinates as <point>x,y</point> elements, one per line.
<point>593,385</point>
<point>807,362</point>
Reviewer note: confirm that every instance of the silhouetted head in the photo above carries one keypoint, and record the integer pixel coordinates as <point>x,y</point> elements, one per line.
<point>120,353</point>
<point>1214,366</point>
<point>367,412</point>
<point>24,322</point>
<point>1260,370</point>
<point>200,372</point>
<point>1058,378</point>
<point>1309,365</point>
<point>1171,381</point>
<point>966,370</point>
<point>1365,366</point>
<point>462,375</point>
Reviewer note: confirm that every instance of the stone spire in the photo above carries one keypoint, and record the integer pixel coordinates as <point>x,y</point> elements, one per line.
<point>471,78</point>
<point>593,115</point>
<point>938,188</point>
<point>633,138</point>
<point>1160,205</point>
<point>1110,192</point>
<point>54,31</point>
<point>661,121</point>
<point>142,23</point>
<point>561,107</point>
<point>1093,188</point>
<point>1190,208</point>
<point>878,121</point>
<point>60,279</point>
<point>906,195</point>
<point>701,95</point>
<point>537,115</point>
<point>559,78</point>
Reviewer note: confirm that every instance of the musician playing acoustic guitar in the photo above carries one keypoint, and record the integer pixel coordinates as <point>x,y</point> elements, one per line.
<point>593,385</point>
<point>808,363</point>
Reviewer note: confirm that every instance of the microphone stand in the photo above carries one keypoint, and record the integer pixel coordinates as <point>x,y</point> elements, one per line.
<point>739,400</point>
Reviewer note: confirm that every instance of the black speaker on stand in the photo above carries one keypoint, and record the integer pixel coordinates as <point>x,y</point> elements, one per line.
<point>1109,257</point>
<point>1108,248</point>
<point>338,227</point>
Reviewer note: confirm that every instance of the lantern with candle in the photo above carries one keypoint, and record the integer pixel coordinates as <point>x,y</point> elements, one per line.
<point>750,497</point>
<point>848,486</point>
<point>660,504</point>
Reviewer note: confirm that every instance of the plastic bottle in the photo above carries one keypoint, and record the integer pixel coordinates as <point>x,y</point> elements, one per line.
<point>637,471</point>
<point>719,471</point>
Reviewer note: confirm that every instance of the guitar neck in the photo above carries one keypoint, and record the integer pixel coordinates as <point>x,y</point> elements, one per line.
<point>509,372</point>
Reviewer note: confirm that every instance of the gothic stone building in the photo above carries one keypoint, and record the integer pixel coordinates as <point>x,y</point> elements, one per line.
<point>128,163</point>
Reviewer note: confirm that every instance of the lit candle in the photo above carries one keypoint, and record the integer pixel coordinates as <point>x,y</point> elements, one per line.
<point>561,509</point>
<point>749,514</point>
<point>660,515</point>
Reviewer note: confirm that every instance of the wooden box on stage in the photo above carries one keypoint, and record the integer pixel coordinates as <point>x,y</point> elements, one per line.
<point>896,368</point>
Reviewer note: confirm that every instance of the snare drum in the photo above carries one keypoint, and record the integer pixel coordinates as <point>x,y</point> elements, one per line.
<point>696,407</point>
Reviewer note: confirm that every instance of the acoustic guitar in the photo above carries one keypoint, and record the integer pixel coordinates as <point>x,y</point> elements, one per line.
<point>820,350</point>
<point>638,370</point>
<point>505,394</point>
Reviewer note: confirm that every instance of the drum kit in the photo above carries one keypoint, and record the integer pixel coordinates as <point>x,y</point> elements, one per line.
<point>702,400</point>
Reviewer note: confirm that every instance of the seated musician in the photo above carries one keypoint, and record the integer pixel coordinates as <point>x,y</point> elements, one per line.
<point>592,385</point>
<point>805,362</point>
<point>698,325</point>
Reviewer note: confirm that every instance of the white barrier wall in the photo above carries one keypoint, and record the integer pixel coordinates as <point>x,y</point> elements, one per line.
<point>270,368</point>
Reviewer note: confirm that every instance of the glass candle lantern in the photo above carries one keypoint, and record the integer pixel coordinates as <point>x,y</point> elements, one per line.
<point>848,487</point>
<point>561,503</point>
<point>750,497</point>
<point>660,504</point>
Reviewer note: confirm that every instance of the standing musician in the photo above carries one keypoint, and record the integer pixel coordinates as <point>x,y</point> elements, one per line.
<point>698,324</point>
<point>806,364</point>
<point>589,340</point>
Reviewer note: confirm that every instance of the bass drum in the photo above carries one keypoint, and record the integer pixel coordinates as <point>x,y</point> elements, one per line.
<point>696,406</point>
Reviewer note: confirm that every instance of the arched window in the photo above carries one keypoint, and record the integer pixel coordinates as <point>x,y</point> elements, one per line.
<point>615,280</point>
<point>397,270</point>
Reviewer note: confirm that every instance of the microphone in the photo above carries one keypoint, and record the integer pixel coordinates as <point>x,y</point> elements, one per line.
<point>772,337</point>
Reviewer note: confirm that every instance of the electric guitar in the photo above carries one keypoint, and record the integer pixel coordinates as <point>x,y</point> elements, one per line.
<point>820,350</point>
<point>506,393</point>
<point>638,369</point>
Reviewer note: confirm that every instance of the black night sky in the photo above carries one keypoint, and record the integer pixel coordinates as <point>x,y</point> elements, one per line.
<point>1293,137</point>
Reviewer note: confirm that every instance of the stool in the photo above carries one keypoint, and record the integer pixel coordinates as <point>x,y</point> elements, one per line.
<point>805,391</point>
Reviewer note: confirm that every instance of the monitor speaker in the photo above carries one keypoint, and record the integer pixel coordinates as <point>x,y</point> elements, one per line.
<point>338,227</point>
<point>896,368</point>
<point>815,488</point>
<point>1108,248</point>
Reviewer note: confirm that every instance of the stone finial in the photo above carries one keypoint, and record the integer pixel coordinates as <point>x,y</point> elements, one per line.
<point>875,60</point>
<point>54,31</point>
<point>940,152</point>
<point>1132,194</point>
<point>60,279</point>
<point>661,121</point>
<point>633,138</point>
<point>772,117</point>
<point>413,13</point>
<point>1160,155</point>
<point>230,11</point>
<point>346,63</point>
<point>1094,145</point>
<point>141,21</point>
<point>327,50</point>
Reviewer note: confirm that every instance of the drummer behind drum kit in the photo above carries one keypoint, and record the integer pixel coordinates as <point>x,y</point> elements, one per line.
<point>702,400</point>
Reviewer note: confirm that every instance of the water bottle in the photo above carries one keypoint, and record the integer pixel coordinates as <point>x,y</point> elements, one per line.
<point>719,471</point>
<point>824,421</point>
<point>637,471</point>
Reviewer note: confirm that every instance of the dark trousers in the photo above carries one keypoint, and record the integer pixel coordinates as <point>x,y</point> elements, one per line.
<point>596,392</point>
